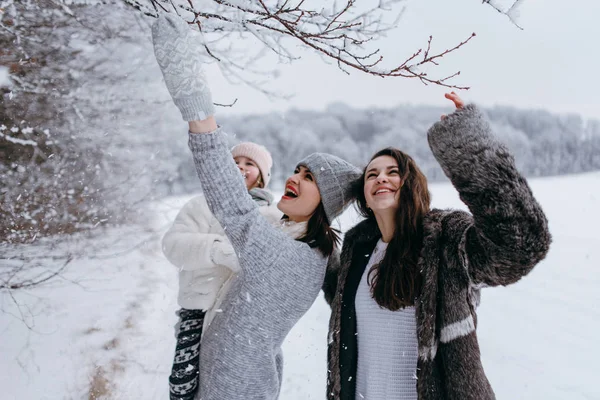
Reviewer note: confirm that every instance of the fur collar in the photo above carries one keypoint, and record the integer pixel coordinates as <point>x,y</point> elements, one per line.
<point>291,228</point>
<point>365,231</point>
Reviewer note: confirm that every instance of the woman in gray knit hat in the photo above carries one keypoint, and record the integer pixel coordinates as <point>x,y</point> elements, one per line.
<point>282,269</point>
<point>404,297</point>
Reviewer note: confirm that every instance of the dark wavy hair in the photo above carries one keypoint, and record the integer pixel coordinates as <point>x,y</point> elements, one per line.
<point>396,280</point>
<point>319,233</point>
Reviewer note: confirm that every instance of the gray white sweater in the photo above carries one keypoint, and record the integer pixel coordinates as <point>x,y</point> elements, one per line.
<point>279,280</point>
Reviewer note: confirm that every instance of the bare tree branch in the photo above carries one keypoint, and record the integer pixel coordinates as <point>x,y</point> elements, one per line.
<point>511,12</point>
<point>344,33</point>
<point>36,280</point>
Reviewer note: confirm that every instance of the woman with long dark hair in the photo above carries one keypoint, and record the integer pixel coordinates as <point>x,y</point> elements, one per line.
<point>403,322</point>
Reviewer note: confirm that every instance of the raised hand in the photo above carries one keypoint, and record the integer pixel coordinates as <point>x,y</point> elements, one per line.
<point>178,50</point>
<point>458,102</point>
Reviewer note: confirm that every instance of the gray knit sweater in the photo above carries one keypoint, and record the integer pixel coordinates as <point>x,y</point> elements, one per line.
<point>241,350</point>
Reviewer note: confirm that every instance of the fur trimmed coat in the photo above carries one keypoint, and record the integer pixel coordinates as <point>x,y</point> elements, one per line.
<point>500,241</point>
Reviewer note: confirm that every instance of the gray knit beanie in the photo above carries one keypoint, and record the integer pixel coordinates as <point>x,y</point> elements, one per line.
<point>334,177</point>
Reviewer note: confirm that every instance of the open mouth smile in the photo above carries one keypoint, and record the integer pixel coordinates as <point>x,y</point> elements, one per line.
<point>290,193</point>
<point>383,191</point>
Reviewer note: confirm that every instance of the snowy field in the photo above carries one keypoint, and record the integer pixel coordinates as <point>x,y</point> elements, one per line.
<point>104,329</point>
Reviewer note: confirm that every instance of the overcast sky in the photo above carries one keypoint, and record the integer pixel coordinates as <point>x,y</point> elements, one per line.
<point>553,63</point>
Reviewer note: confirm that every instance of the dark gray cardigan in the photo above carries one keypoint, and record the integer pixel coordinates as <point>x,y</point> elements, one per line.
<point>500,242</point>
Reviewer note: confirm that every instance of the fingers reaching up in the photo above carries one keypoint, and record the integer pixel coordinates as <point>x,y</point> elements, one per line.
<point>458,102</point>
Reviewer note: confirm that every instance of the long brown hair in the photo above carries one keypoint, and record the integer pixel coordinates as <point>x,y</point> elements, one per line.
<point>396,280</point>
<point>319,234</point>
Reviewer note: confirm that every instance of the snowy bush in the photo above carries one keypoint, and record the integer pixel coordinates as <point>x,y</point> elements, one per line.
<point>86,125</point>
<point>60,169</point>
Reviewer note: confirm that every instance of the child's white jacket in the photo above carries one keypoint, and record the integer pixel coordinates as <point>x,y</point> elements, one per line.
<point>197,245</point>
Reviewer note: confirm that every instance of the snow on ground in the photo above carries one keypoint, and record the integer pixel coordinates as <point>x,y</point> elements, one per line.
<point>106,326</point>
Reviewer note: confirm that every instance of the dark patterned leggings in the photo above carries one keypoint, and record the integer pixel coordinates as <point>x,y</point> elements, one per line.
<point>184,379</point>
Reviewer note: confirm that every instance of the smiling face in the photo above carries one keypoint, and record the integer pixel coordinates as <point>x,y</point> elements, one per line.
<point>301,196</point>
<point>382,185</point>
<point>249,171</point>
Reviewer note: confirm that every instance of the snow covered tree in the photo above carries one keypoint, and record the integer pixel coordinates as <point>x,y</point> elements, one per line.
<point>61,98</point>
<point>543,143</point>
<point>58,103</point>
<point>43,184</point>
<point>76,74</point>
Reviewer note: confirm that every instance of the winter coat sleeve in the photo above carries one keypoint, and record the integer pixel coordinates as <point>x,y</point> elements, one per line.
<point>507,233</point>
<point>254,239</point>
<point>331,276</point>
<point>189,245</point>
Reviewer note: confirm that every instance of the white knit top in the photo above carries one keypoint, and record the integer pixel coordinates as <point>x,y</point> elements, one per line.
<point>387,345</point>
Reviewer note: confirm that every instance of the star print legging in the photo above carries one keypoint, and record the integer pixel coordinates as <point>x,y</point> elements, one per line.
<point>184,379</point>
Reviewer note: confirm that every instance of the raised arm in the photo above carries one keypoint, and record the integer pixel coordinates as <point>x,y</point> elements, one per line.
<point>507,234</point>
<point>178,50</point>
<point>249,232</point>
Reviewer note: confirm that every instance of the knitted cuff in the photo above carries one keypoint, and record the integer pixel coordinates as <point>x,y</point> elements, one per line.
<point>195,108</point>
<point>201,142</point>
